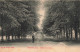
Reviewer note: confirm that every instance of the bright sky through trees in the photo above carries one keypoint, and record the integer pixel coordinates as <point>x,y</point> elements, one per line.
<point>41,12</point>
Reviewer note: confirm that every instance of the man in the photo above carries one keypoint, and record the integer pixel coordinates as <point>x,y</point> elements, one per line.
<point>33,38</point>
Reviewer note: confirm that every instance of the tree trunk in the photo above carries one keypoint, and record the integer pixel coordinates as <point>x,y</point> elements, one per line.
<point>76,34</point>
<point>18,37</point>
<point>12,36</point>
<point>2,35</point>
<point>66,33</point>
<point>57,36</point>
<point>8,37</point>
<point>71,33</point>
<point>2,38</point>
<point>15,37</point>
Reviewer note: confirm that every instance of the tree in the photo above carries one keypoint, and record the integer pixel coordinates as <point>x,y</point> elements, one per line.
<point>16,17</point>
<point>63,15</point>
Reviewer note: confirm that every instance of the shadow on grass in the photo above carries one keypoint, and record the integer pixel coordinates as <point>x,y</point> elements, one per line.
<point>16,41</point>
<point>67,42</point>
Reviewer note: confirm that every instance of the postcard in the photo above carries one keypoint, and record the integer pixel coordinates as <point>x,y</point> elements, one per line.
<point>39,26</point>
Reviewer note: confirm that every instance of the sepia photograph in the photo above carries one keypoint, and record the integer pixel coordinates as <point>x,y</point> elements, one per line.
<point>39,26</point>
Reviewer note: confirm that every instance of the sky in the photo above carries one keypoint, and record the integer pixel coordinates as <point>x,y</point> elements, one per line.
<point>41,11</point>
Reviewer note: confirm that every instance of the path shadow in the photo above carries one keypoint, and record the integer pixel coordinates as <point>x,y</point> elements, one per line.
<point>67,42</point>
<point>17,41</point>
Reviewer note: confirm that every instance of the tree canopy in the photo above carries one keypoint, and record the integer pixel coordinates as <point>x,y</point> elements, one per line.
<point>18,16</point>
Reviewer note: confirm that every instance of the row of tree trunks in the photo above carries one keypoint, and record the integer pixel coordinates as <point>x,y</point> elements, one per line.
<point>12,37</point>
<point>67,33</point>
